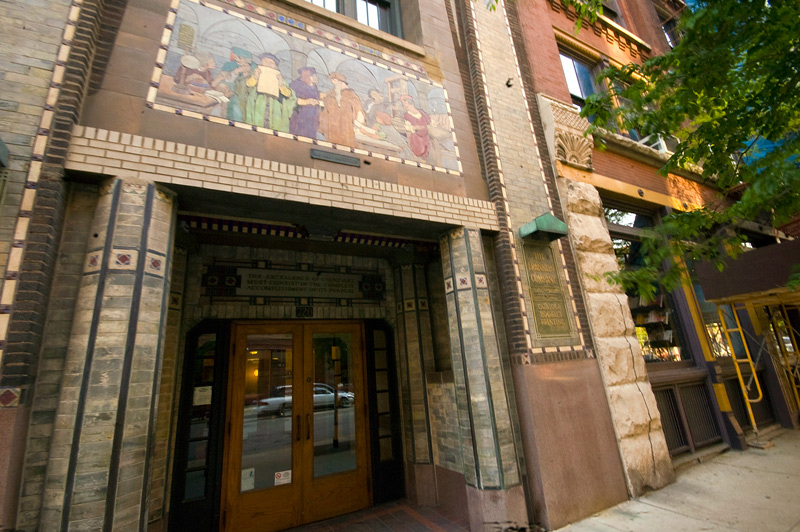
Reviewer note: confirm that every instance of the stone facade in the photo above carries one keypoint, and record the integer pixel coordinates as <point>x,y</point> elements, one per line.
<point>633,407</point>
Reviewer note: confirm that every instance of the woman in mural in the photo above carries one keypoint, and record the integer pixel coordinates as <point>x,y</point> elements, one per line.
<point>270,101</point>
<point>305,119</point>
<point>341,109</point>
<point>417,122</point>
<point>232,82</point>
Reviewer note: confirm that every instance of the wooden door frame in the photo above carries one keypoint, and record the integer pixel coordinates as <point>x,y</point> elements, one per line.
<point>230,484</point>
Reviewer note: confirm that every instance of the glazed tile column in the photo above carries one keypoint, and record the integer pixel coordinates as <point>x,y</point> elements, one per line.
<point>105,423</point>
<point>491,467</point>
<point>416,358</point>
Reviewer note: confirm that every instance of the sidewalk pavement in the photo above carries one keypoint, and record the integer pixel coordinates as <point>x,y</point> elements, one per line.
<point>757,490</point>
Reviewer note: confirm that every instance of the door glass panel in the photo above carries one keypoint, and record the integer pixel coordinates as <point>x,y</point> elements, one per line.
<point>267,427</point>
<point>334,420</point>
<point>195,484</point>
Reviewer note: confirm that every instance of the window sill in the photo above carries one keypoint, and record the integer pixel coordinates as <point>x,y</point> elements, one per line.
<point>358,27</point>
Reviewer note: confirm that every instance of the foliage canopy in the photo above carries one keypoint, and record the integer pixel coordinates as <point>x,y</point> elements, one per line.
<point>729,91</point>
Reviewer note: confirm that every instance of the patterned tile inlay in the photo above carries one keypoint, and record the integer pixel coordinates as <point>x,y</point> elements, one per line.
<point>480,281</point>
<point>448,285</point>
<point>175,301</point>
<point>463,281</point>
<point>93,262</point>
<point>9,397</point>
<point>123,259</point>
<point>409,305</point>
<point>156,264</point>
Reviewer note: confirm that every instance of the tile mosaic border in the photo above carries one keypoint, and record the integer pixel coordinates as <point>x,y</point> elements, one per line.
<point>342,45</point>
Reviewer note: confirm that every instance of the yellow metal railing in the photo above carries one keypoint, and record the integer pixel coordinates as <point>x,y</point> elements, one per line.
<point>732,325</point>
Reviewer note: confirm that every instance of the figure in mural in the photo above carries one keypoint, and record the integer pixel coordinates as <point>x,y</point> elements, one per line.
<point>217,70</point>
<point>305,119</point>
<point>417,122</point>
<point>270,101</point>
<point>194,73</point>
<point>377,130</point>
<point>341,109</point>
<point>232,82</point>
<point>376,104</point>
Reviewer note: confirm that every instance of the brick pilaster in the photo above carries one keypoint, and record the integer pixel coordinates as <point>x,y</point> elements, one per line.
<point>94,482</point>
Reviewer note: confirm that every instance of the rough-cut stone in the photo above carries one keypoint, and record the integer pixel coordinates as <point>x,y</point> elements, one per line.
<point>582,198</point>
<point>647,461</point>
<point>610,315</point>
<point>636,408</point>
<point>620,359</point>
<point>593,267</point>
<point>633,407</point>
<point>589,233</point>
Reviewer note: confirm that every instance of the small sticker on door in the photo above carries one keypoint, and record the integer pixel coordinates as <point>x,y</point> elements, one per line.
<point>283,477</point>
<point>248,479</point>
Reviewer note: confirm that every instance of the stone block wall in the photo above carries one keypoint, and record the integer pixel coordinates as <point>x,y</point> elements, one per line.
<point>445,432</point>
<point>634,412</point>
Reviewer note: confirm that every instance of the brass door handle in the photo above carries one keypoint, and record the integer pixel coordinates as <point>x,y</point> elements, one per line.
<point>308,427</point>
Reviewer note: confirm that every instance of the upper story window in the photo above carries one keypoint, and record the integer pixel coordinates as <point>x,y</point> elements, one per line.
<point>378,14</point>
<point>580,79</point>
<point>611,12</point>
<point>669,25</point>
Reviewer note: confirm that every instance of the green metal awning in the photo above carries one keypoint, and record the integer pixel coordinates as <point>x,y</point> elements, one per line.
<point>544,227</point>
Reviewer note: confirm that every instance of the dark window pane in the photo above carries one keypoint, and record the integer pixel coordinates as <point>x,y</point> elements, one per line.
<point>195,484</point>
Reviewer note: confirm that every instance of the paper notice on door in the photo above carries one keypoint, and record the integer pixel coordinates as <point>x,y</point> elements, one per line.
<point>202,396</point>
<point>248,479</point>
<point>283,477</point>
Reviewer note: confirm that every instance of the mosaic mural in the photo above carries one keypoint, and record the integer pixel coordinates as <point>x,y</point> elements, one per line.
<point>263,74</point>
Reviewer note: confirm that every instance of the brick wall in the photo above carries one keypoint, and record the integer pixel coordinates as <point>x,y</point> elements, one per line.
<point>29,42</point>
<point>445,432</point>
<point>54,350</point>
<point>124,155</point>
<point>646,176</point>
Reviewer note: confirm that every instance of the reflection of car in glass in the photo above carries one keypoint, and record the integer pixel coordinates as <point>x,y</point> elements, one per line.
<point>280,401</point>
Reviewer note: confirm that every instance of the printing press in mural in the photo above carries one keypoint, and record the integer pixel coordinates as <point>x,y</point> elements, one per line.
<point>291,81</point>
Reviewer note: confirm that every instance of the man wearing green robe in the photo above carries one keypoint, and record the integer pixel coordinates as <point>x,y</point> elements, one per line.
<point>269,109</point>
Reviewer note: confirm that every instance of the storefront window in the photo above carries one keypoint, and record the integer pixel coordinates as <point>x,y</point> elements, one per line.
<point>655,319</point>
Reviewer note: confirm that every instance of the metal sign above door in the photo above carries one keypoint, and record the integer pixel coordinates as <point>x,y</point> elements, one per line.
<point>303,284</point>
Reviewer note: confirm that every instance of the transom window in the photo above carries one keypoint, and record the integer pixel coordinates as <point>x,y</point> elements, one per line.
<point>377,14</point>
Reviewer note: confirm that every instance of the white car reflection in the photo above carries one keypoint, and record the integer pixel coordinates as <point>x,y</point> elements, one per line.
<point>279,403</point>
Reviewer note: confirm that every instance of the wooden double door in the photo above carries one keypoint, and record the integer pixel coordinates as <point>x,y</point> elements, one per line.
<point>296,448</point>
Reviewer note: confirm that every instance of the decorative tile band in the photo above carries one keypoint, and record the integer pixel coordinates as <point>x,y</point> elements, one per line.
<point>124,155</point>
<point>526,358</point>
<point>8,294</point>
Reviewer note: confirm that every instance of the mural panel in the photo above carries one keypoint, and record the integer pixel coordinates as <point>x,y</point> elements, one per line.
<point>275,75</point>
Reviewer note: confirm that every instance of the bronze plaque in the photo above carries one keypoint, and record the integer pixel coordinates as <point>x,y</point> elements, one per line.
<point>550,310</point>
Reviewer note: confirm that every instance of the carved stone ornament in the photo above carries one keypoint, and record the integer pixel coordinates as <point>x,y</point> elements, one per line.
<point>573,149</point>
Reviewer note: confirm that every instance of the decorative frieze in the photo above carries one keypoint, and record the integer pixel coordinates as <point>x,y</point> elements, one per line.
<point>573,149</point>
<point>564,131</point>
